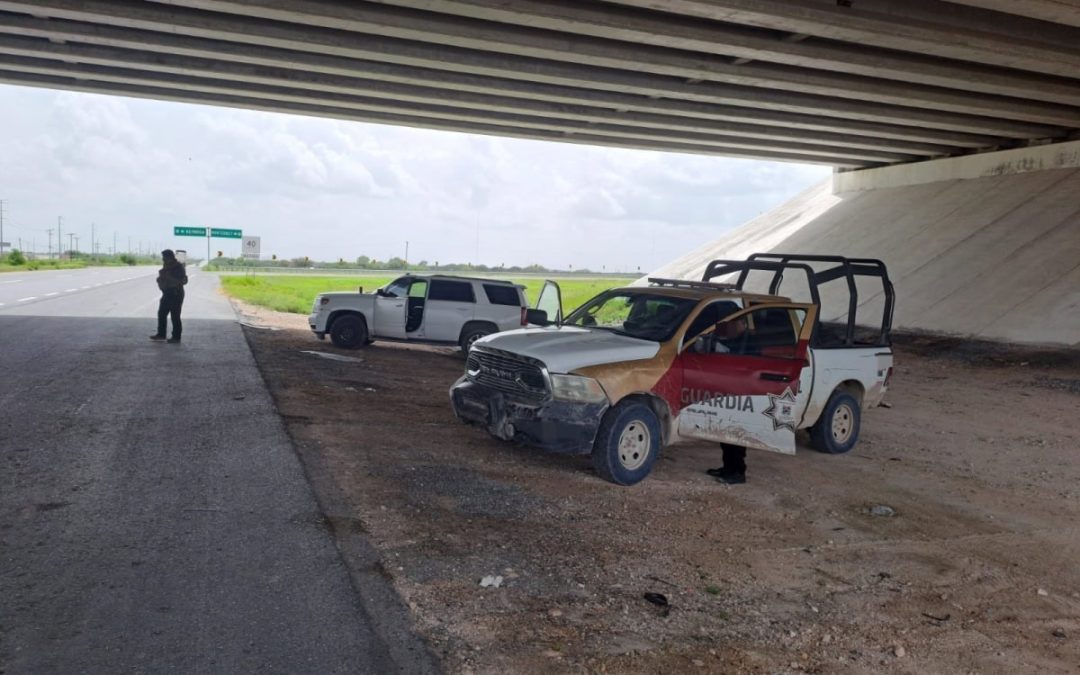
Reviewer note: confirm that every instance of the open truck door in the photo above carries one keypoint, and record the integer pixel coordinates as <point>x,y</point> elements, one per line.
<point>747,380</point>
<point>548,308</point>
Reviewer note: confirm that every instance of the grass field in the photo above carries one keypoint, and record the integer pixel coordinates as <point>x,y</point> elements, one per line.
<point>34,265</point>
<point>295,294</point>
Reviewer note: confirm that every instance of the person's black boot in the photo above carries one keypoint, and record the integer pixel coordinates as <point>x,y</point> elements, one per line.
<point>157,338</point>
<point>731,478</point>
<point>717,473</point>
<point>173,341</point>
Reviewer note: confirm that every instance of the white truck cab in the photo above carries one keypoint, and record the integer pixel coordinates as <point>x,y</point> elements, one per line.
<point>642,367</point>
<point>437,309</point>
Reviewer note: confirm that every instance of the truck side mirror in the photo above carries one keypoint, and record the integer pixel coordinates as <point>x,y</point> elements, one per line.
<point>537,317</point>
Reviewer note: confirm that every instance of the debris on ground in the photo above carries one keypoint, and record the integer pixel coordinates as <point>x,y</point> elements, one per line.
<point>882,510</point>
<point>493,581</point>
<point>333,357</point>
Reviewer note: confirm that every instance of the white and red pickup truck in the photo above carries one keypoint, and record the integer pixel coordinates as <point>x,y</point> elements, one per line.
<point>638,368</point>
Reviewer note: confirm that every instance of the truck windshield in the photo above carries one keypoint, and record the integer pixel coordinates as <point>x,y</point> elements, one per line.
<point>637,314</point>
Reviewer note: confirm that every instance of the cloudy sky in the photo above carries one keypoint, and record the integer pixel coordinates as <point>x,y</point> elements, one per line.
<point>329,189</point>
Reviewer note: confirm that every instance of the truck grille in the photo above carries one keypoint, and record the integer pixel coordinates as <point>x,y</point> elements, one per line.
<point>506,372</point>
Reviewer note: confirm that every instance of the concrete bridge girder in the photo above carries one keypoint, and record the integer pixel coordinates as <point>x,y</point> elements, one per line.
<point>851,86</point>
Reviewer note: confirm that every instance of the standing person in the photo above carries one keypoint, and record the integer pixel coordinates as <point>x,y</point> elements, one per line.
<point>171,279</point>
<point>733,472</point>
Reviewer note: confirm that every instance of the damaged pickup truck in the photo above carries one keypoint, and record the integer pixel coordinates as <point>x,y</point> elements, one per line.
<point>639,368</point>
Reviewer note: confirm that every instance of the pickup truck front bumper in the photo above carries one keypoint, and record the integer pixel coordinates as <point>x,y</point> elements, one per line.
<point>554,426</point>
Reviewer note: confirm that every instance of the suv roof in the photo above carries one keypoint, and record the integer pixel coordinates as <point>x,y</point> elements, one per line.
<point>454,277</point>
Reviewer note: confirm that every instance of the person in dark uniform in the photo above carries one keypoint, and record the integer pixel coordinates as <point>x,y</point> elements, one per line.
<point>171,279</point>
<point>733,472</point>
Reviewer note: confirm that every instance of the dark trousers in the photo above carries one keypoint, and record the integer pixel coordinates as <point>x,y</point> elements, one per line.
<point>734,458</point>
<point>172,301</point>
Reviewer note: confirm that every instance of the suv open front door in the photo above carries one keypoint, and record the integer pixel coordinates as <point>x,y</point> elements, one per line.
<point>743,381</point>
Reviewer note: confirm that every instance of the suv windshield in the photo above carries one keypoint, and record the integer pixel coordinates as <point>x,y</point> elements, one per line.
<point>638,314</point>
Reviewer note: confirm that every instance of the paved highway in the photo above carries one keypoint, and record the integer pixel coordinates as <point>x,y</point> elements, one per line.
<point>153,514</point>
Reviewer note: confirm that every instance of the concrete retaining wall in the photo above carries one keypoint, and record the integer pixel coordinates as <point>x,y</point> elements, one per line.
<point>995,256</point>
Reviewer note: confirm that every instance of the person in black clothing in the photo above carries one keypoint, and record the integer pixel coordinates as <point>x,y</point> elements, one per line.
<point>733,472</point>
<point>171,279</point>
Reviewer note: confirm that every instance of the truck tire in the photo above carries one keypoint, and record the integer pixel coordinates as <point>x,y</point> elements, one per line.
<point>837,430</point>
<point>472,333</point>
<point>349,331</point>
<point>627,444</point>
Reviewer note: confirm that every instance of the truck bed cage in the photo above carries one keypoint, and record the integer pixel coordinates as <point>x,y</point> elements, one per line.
<point>683,283</point>
<point>836,267</point>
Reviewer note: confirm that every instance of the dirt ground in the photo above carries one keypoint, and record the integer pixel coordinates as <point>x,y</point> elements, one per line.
<point>971,568</point>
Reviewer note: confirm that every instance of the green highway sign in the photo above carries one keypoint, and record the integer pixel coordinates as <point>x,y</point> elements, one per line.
<point>225,234</point>
<point>189,231</point>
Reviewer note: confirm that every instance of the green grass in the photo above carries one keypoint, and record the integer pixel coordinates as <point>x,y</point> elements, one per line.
<point>34,265</point>
<point>286,293</point>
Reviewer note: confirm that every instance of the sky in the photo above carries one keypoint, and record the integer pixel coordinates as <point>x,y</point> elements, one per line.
<point>331,189</point>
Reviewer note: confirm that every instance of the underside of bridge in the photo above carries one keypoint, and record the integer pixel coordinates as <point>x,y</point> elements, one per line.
<point>849,83</point>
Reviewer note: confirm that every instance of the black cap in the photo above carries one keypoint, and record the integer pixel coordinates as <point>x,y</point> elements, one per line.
<point>168,253</point>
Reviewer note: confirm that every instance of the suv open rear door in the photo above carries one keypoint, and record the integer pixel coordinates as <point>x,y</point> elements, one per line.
<point>550,303</point>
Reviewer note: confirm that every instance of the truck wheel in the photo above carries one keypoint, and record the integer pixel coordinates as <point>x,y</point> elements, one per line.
<point>349,332</point>
<point>627,443</point>
<point>838,428</point>
<point>472,334</point>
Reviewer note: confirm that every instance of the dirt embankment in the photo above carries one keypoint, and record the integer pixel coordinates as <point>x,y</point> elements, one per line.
<point>945,542</point>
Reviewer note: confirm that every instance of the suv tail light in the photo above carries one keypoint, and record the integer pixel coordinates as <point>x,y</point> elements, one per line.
<point>524,316</point>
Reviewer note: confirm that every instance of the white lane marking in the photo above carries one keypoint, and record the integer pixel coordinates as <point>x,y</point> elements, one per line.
<point>49,295</point>
<point>70,290</point>
<point>84,288</point>
<point>13,281</point>
<point>1,304</point>
<point>32,297</point>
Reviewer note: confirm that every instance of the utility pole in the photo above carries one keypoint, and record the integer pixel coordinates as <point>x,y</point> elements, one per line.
<point>2,228</point>
<point>71,238</point>
<point>59,238</point>
<point>93,242</point>
<point>406,254</point>
<point>76,243</point>
<point>114,242</point>
<point>50,242</point>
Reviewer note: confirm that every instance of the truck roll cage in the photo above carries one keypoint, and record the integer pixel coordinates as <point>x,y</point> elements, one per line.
<point>834,267</point>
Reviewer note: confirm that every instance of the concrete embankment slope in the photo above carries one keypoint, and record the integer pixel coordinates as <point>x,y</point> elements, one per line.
<point>987,245</point>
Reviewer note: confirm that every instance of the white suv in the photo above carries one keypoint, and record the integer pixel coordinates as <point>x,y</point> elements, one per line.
<point>433,309</point>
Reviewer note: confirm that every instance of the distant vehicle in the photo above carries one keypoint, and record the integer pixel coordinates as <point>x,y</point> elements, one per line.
<point>434,309</point>
<point>181,255</point>
<point>639,368</point>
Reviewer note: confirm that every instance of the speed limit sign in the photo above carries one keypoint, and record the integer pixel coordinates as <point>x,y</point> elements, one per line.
<point>250,247</point>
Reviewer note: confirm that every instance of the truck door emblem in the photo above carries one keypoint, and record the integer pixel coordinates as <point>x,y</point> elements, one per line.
<point>781,410</point>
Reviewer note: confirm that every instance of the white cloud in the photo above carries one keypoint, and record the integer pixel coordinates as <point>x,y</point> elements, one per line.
<point>329,189</point>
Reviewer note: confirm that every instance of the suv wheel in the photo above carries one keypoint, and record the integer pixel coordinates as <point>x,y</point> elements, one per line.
<point>837,430</point>
<point>471,335</point>
<point>349,332</point>
<point>627,443</point>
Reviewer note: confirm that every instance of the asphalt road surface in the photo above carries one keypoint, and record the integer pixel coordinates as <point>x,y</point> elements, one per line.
<point>153,514</point>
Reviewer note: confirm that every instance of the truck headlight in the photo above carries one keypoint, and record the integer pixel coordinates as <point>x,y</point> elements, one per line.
<point>577,388</point>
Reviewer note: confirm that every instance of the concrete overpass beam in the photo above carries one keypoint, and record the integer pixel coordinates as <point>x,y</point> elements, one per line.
<point>439,110</point>
<point>244,33</point>
<point>892,30</point>
<point>755,44</point>
<point>523,39</point>
<point>14,52</point>
<point>399,119</point>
